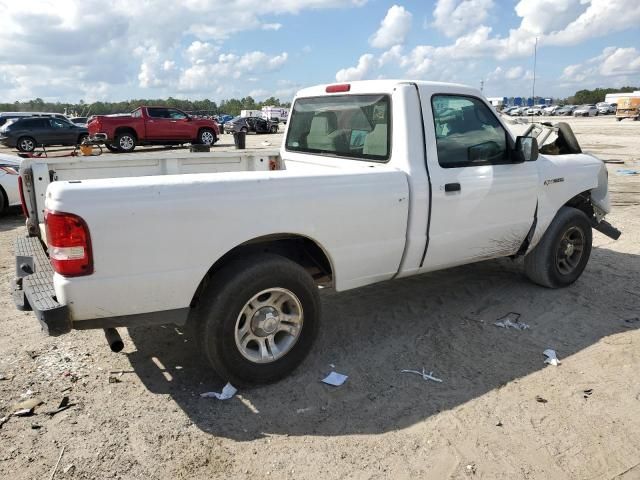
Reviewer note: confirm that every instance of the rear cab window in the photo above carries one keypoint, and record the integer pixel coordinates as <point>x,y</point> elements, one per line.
<point>352,126</point>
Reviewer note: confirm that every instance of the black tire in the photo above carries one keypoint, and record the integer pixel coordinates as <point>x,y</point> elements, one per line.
<point>244,129</point>
<point>206,136</point>
<point>549,264</point>
<point>82,138</point>
<point>4,202</point>
<point>569,140</point>
<point>111,148</point>
<point>26,144</point>
<point>619,119</point>
<point>218,314</point>
<point>273,129</point>
<point>126,142</point>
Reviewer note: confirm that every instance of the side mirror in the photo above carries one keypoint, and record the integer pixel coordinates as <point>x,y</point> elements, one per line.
<point>526,150</point>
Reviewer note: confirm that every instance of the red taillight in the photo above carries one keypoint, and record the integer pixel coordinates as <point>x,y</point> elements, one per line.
<point>69,244</point>
<point>25,212</point>
<point>343,87</point>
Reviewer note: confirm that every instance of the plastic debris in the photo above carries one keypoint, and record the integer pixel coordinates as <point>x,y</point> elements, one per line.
<point>29,404</point>
<point>630,321</point>
<point>335,379</point>
<point>587,393</point>
<point>552,358</point>
<point>64,404</point>
<point>68,468</point>
<point>3,420</point>
<point>55,468</point>
<point>424,375</point>
<point>624,172</point>
<point>25,412</point>
<point>539,399</point>
<point>227,392</point>
<point>511,320</point>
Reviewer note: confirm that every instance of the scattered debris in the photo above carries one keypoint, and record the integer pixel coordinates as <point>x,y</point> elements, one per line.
<point>266,143</point>
<point>471,468</point>
<point>29,404</point>
<point>424,375</point>
<point>4,377</point>
<point>26,394</point>
<point>64,404</point>
<point>35,426</point>
<point>303,410</point>
<point>227,392</point>
<point>65,389</point>
<point>68,468</point>
<point>55,468</point>
<point>4,420</point>
<point>630,321</point>
<point>25,412</point>
<point>539,399</point>
<point>114,380</point>
<point>335,379</point>
<point>624,172</point>
<point>552,358</point>
<point>619,162</point>
<point>511,320</point>
<point>498,423</point>
<point>587,393</point>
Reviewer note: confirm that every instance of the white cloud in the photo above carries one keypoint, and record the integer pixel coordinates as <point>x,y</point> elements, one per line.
<point>120,47</point>
<point>359,72</point>
<point>453,17</point>
<point>393,29</point>
<point>617,65</point>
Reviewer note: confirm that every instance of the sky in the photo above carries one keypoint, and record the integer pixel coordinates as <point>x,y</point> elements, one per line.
<point>68,50</point>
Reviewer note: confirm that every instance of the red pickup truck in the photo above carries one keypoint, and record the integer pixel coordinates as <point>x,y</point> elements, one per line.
<point>152,126</point>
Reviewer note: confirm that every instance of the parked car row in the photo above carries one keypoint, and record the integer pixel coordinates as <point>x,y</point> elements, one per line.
<point>250,124</point>
<point>588,110</point>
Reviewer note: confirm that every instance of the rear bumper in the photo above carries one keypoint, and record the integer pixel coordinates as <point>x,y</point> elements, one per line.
<point>33,287</point>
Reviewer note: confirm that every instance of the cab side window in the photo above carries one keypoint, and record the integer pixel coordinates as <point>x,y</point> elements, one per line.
<point>467,133</point>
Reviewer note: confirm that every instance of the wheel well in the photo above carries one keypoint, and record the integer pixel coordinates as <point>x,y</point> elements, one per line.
<point>5,197</point>
<point>301,250</point>
<point>206,128</point>
<point>126,130</point>
<point>582,202</point>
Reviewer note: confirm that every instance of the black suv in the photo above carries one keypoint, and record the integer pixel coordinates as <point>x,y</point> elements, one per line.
<point>250,124</point>
<point>26,134</point>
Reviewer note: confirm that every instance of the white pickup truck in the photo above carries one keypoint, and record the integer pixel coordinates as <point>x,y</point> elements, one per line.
<point>374,180</point>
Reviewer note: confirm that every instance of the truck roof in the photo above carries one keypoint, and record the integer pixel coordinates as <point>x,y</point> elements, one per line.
<point>387,86</point>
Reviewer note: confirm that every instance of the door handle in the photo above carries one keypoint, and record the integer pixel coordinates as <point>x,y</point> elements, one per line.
<point>174,121</point>
<point>452,187</point>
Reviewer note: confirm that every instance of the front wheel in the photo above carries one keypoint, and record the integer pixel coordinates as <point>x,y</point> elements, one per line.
<point>562,254</point>
<point>258,319</point>
<point>207,137</point>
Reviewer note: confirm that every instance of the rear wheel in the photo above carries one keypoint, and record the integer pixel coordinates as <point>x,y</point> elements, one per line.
<point>258,318</point>
<point>82,138</point>
<point>273,129</point>
<point>562,254</point>
<point>244,129</point>
<point>26,144</point>
<point>4,204</point>
<point>126,142</point>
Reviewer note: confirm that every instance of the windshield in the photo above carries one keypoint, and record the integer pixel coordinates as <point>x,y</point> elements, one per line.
<point>353,126</point>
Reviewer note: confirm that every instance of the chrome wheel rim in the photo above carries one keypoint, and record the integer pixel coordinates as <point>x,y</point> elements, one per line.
<point>269,325</point>
<point>570,250</point>
<point>27,145</point>
<point>126,142</point>
<point>206,138</point>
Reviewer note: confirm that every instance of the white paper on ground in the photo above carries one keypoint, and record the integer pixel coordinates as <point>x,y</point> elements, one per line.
<point>552,358</point>
<point>335,379</point>
<point>424,375</point>
<point>510,324</point>
<point>227,392</point>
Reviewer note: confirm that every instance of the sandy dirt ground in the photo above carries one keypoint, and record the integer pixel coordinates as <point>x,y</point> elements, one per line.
<point>499,413</point>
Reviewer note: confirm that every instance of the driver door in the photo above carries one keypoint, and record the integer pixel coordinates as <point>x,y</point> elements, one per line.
<point>483,203</point>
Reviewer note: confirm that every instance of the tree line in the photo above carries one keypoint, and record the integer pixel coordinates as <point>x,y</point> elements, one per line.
<point>205,107</point>
<point>582,97</point>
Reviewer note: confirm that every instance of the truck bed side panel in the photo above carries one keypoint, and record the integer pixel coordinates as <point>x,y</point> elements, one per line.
<point>154,239</point>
